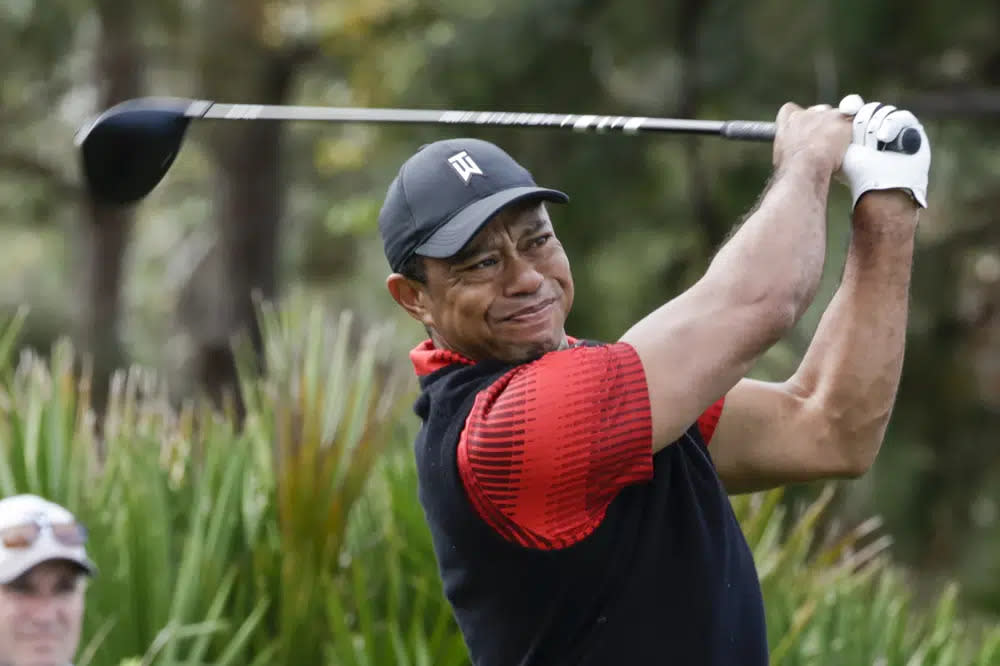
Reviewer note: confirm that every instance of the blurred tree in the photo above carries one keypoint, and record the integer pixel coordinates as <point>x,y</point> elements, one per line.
<point>118,73</point>
<point>256,52</point>
<point>245,54</point>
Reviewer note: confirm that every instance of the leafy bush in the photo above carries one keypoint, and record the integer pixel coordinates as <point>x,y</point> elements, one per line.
<point>227,545</point>
<point>842,602</point>
<point>298,538</point>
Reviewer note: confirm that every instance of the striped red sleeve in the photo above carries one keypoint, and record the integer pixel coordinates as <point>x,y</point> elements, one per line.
<point>709,420</point>
<point>550,444</point>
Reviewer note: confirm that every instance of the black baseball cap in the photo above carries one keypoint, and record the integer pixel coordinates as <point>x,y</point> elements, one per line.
<point>446,192</point>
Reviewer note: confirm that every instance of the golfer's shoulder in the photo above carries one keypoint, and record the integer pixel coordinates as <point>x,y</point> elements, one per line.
<point>585,371</point>
<point>587,375</point>
<point>584,358</point>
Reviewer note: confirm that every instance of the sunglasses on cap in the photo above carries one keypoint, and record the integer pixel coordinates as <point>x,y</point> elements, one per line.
<point>26,534</point>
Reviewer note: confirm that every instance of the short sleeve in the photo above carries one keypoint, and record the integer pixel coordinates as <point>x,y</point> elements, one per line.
<point>549,445</point>
<point>708,421</point>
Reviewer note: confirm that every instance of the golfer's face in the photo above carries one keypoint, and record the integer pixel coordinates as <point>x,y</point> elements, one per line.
<point>40,616</point>
<point>507,293</point>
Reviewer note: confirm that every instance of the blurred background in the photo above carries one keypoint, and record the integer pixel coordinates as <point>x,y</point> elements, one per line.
<point>286,213</point>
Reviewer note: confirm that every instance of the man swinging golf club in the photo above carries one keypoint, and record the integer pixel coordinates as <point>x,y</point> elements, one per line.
<point>576,491</point>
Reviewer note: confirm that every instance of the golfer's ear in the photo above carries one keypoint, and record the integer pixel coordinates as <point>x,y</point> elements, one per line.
<point>411,296</point>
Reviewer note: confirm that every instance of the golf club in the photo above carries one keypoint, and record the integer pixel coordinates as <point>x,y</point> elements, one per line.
<point>128,149</point>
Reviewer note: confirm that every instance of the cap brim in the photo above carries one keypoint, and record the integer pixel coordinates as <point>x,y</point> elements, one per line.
<point>22,565</point>
<point>460,229</point>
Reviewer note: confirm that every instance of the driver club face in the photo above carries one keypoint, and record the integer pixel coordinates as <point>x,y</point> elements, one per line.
<point>128,149</point>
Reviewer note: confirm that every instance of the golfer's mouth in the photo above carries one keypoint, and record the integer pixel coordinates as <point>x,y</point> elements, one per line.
<point>532,312</point>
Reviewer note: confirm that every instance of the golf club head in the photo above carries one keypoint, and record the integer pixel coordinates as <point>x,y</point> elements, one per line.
<point>128,149</point>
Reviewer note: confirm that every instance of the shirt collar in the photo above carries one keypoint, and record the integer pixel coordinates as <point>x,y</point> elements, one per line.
<point>427,358</point>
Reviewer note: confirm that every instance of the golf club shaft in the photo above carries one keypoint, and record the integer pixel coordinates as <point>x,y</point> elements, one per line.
<point>732,129</point>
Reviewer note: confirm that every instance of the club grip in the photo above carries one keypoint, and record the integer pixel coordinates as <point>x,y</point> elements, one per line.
<point>748,130</point>
<point>908,141</point>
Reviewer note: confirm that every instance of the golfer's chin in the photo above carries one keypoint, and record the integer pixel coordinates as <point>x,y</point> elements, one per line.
<point>518,349</point>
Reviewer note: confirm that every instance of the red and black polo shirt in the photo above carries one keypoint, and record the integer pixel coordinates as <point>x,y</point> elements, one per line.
<point>561,538</point>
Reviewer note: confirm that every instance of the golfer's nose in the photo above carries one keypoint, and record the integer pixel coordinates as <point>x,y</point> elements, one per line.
<point>521,277</point>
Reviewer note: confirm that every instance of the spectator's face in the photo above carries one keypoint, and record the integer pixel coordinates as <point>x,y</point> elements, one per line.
<point>40,616</point>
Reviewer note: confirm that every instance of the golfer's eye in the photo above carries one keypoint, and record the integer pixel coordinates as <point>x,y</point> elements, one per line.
<point>481,264</point>
<point>539,241</point>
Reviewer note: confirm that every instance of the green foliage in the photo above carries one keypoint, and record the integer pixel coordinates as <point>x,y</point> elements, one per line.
<point>229,546</point>
<point>389,572</point>
<point>840,601</point>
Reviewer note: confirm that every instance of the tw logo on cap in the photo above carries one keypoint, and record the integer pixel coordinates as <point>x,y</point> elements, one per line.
<point>464,165</point>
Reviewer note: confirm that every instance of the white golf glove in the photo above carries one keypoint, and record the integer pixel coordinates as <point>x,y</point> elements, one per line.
<point>868,166</point>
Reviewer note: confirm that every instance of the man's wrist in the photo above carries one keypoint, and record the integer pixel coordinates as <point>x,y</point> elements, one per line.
<point>806,168</point>
<point>894,209</point>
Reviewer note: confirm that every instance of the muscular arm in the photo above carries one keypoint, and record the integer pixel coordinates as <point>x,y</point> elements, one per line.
<point>830,417</point>
<point>697,346</point>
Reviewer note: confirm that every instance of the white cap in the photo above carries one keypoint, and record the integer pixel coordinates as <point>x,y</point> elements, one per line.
<point>22,509</point>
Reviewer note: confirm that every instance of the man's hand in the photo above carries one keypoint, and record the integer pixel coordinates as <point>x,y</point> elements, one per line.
<point>818,136</point>
<point>867,166</point>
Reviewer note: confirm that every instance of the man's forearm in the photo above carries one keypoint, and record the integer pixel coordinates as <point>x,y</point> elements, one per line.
<point>853,366</point>
<point>783,241</point>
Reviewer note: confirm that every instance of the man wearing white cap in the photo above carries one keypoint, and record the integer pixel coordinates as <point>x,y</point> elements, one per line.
<point>43,564</point>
